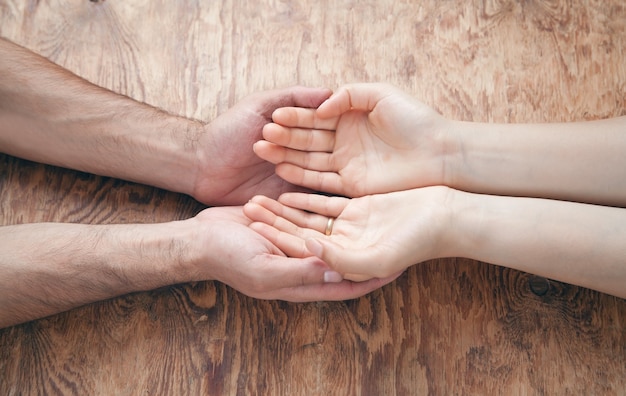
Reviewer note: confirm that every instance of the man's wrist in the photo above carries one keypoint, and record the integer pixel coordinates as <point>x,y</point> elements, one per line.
<point>166,253</point>
<point>176,159</point>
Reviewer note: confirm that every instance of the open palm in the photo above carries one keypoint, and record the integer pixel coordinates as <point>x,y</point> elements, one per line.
<point>254,266</point>
<point>365,139</point>
<point>373,236</point>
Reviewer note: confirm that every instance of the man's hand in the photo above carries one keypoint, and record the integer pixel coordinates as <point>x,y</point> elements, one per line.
<point>60,119</point>
<point>76,264</point>
<point>236,255</point>
<point>229,172</point>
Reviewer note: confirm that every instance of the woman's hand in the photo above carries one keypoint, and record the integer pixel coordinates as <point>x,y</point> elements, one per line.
<point>365,139</point>
<point>374,236</point>
<point>225,249</point>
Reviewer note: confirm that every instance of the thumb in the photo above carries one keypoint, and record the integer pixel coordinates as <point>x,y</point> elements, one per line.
<point>363,97</point>
<point>334,255</point>
<point>299,96</point>
<point>353,264</point>
<point>319,248</point>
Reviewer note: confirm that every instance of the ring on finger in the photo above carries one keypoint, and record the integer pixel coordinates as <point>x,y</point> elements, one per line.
<point>329,226</point>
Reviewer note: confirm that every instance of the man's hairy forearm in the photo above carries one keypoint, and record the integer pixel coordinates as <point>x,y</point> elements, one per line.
<point>50,115</point>
<point>77,264</point>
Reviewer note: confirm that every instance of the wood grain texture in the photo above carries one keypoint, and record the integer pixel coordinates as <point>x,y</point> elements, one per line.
<point>446,326</point>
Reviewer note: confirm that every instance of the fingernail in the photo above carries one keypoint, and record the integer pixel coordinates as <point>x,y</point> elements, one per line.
<point>314,247</point>
<point>332,277</point>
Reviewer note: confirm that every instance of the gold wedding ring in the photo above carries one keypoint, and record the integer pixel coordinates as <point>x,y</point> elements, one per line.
<point>329,226</point>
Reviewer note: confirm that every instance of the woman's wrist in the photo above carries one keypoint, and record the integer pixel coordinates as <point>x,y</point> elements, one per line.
<point>437,218</point>
<point>461,225</point>
<point>455,151</point>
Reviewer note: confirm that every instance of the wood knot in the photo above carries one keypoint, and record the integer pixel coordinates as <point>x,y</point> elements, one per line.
<point>538,285</point>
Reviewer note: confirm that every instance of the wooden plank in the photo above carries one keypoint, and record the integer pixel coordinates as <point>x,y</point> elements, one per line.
<point>446,326</point>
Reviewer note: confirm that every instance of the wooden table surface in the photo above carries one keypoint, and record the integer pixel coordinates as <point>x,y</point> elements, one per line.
<point>451,326</point>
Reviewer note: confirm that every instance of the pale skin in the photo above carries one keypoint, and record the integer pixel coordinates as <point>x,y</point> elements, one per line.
<point>423,186</point>
<point>50,115</point>
<point>374,138</point>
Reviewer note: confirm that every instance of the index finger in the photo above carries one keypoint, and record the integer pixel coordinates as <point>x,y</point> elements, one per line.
<point>302,118</point>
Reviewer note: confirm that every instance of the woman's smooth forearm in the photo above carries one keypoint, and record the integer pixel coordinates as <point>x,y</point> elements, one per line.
<point>578,161</point>
<point>581,244</point>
